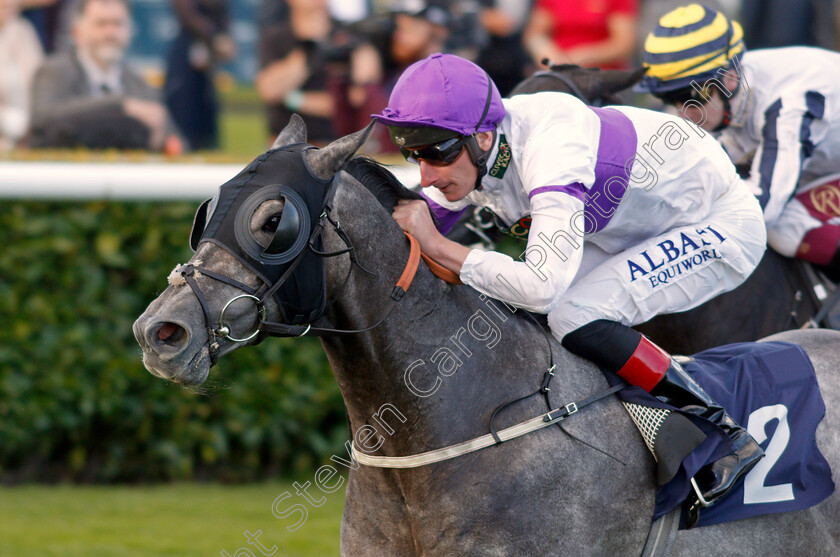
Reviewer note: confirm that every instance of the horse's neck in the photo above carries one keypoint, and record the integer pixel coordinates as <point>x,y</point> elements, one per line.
<point>442,360</point>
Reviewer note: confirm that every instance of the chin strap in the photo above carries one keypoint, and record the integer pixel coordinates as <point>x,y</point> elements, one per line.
<point>727,114</point>
<point>727,106</point>
<point>477,154</point>
<point>479,157</point>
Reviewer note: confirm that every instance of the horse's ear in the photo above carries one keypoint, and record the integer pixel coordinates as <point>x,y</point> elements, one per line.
<point>327,161</point>
<point>615,81</point>
<point>294,132</point>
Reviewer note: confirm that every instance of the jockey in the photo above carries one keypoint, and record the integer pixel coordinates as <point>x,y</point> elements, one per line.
<point>631,214</point>
<point>779,107</point>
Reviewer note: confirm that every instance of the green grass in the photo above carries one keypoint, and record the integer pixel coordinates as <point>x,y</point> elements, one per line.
<point>243,134</point>
<point>180,520</point>
<point>243,125</point>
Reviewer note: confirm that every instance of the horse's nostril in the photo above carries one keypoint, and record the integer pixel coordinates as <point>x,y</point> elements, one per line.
<point>171,334</point>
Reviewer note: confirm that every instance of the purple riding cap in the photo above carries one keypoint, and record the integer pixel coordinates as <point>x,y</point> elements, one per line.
<point>443,91</point>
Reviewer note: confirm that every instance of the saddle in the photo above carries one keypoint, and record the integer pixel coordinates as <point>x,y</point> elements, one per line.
<point>771,389</point>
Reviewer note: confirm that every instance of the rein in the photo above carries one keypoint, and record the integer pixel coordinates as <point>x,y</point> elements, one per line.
<point>304,246</point>
<point>270,328</point>
<point>399,290</point>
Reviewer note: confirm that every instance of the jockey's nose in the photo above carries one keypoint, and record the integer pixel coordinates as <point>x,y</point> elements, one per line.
<point>428,174</point>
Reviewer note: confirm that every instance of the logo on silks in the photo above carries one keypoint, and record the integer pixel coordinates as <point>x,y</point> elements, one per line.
<point>682,254</point>
<point>500,164</point>
<point>225,220</point>
<point>822,201</point>
<point>518,230</point>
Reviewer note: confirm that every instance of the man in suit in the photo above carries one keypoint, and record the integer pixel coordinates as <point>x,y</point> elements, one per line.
<point>90,97</point>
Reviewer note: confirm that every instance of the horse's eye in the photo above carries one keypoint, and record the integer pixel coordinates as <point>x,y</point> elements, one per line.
<point>271,224</point>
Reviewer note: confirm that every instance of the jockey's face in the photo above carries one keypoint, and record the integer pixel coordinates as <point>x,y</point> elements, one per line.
<point>708,111</point>
<point>102,31</point>
<point>708,114</point>
<point>457,179</point>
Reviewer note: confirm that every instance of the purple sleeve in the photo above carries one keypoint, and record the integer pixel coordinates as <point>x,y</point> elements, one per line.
<point>445,219</point>
<point>576,190</point>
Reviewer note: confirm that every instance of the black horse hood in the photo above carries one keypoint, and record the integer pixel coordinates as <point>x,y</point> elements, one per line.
<point>226,220</point>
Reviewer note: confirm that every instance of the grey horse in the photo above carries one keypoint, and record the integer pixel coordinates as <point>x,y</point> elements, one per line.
<point>586,487</point>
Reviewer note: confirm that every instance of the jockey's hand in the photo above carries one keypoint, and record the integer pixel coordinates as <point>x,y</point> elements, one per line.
<point>413,216</point>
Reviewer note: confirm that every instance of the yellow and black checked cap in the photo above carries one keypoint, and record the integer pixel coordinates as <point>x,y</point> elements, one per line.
<point>689,44</point>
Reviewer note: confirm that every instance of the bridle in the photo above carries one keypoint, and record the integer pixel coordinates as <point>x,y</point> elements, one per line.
<point>217,327</point>
<point>268,328</point>
<point>259,296</point>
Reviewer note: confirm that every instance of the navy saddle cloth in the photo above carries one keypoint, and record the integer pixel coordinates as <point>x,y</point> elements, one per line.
<point>769,388</point>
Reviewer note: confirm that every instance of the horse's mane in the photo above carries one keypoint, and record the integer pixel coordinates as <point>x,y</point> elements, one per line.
<point>379,181</point>
<point>387,190</point>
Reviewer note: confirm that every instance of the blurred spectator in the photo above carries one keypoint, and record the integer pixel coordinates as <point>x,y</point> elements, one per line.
<point>350,11</point>
<point>775,23</point>
<point>189,91</point>
<point>293,54</point>
<point>467,36</point>
<point>504,57</point>
<point>40,14</point>
<point>327,72</point>
<point>20,56</point>
<point>420,30</point>
<point>357,88</point>
<point>599,33</point>
<point>90,97</point>
<point>272,12</point>
<point>417,29</point>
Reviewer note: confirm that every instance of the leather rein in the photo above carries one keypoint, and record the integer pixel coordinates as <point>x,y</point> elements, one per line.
<point>189,272</point>
<point>553,416</point>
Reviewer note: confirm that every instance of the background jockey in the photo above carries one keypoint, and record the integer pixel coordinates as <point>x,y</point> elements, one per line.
<point>779,106</point>
<point>631,213</point>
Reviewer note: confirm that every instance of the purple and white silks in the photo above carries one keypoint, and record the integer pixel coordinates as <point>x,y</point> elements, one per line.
<point>616,153</point>
<point>444,218</point>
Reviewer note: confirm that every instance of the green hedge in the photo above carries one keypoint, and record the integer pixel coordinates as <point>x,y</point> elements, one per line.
<point>76,403</point>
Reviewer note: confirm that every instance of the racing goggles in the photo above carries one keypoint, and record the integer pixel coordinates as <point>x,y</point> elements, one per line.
<point>437,154</point>
<point>682,96</point>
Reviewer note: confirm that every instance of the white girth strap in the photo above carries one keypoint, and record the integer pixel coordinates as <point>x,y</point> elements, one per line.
<point>473,445</point>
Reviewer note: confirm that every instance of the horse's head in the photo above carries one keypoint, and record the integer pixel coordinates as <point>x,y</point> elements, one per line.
<point>256,258</point>
<point>591,85</point>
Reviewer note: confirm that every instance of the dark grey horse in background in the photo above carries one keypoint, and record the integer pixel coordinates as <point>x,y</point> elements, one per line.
<point>593,86</point>
<point>777,296</point>
<point>586,487</point>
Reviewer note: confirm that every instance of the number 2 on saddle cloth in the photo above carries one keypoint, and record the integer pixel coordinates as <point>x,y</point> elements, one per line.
<point>771,388</point>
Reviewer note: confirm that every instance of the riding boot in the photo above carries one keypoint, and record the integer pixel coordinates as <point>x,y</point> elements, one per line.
<point>714,480</point>
<point>644,364</point>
